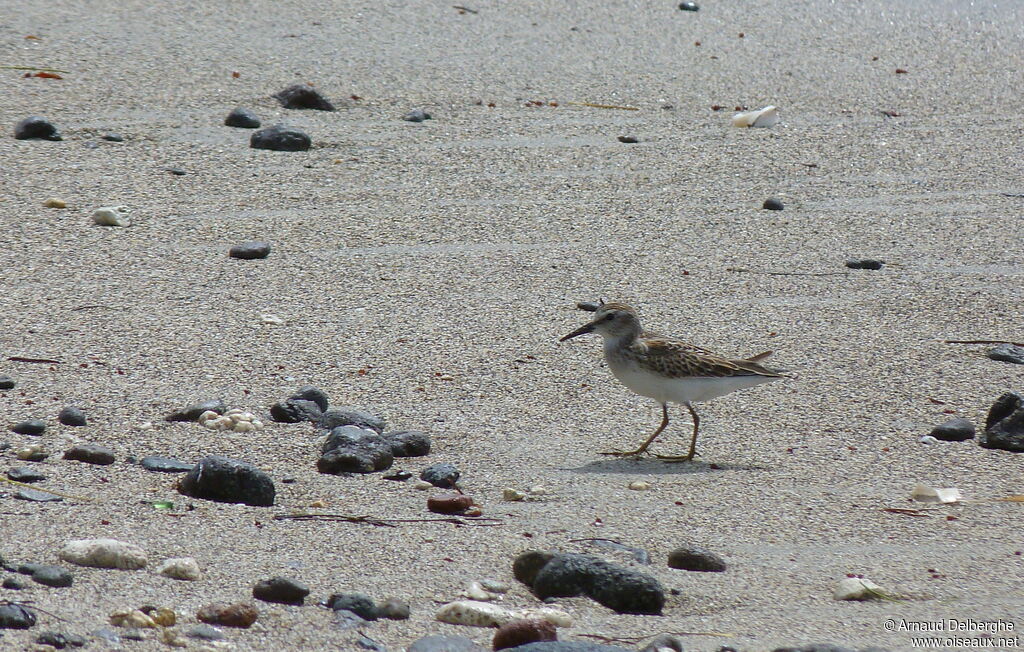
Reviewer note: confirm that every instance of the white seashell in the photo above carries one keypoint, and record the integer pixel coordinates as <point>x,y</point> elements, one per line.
<point>766,117</point>
<point>233,411</point>
<point>857,588</point>
<point>639,485</point>
<point>146,425</point>
<point>248,416</point>
<point>476,591</point>
<point>235,418</point>
<point>924,494</point>
<point>104,553</point>
<point>180,568</point>
<point>512,496</point>
<point>928,439</point>
<point>112,216</point>
<point>273,320</point>
<point>538,490</point>
<point>212,424</point>
<point>244,426</point>
<point>485,614</point>
<point>206,416</point>
<point>422,485</point>
<point>257,424</point>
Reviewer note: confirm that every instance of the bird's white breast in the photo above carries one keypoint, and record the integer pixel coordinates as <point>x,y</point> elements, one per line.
<point>678,390</point>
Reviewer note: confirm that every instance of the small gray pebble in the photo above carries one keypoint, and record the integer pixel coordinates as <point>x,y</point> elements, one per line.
<point>689,6</point>
<point>954,430</point>
<point>394,609</point>
<point>439,643</point>
<point>34,427</point>
<point>664,642</point>
<point>113,138</point>
<point>242,119</point>
<point>71,416</point>
<point>1007,353</point>
<point>90,454</point>
<point>629,139</point>
<point>254,250</point>
<point>692,558</point>
<point>336,417</point>
<point>864,263</point>
<point>15,616</point>
<point>192,412</point>
<point>282,590</point>
<point>6,382</point>
<point>772,204</point>
<point>13,583</point>
<point>52,576</point>
<point>315,394</point>
<point>358,603</point>
<point>34,496</point>
<point>442,475</point>
<point>60,640</point>
<point>164,464</point>
<point>303,96</point>
<point>416,115</point>
<point>204,632</point>
<point>25,474</point>
<point>178,172</point>
<point>281,139</point>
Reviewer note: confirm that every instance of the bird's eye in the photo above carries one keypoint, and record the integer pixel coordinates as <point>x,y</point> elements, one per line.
<point>610,316</point>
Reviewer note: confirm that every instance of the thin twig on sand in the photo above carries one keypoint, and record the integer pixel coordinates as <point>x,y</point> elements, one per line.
<point>757,271</point>
<point>45,491</point>
<point>983,342</point>
<point>390,522</point>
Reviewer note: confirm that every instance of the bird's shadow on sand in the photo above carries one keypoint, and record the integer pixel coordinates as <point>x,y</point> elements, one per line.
<point>654,466</point>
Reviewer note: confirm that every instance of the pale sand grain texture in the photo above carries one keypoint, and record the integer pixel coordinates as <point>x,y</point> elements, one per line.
<point>458,247</point>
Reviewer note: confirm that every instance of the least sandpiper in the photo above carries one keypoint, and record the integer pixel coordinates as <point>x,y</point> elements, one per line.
<point>667,369</point>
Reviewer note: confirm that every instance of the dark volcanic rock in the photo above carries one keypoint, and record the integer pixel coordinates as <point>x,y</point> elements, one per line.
<point>954,430</point>
<point>358,603</point>
<point>15,616</point>
<point>60,640</point>
<point>254,250</point>
<point>13,583</point>
<point>620,589</point>
<point>408,443</point>
<point>335,417</point>
<point>6,382</point>
<point>242,118</point>
<point>1007,353</point>
<point>350,449</point>
<point>864,263</point>
<point>315,394</point>
<point>438,643</point>
<point>240,614</point>
<point>34,427</point>
<point>192,412</point>
<point>25,474</point>
<point>90,454</point>
<point>228,481</point>
<point>294,410</point>
<point>1004,426</point>
<point>772,204</point>
<point>71,416</point>
<point>52,576</point>
<point>282,590</point>
<point>692,558</point>
<point>303,96</point>
<point>164,464</point>
<point>442,475</point>
<point>528,564</point>
<point>417,115</point>
<point>36,127</point>
<point>521,632</point>
<point>281,139</point>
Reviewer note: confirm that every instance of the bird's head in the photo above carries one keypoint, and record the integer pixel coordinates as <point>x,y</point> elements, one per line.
<point>611,320</point>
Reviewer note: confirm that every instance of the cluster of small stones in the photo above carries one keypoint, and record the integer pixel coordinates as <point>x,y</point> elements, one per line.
<point>234,419</point>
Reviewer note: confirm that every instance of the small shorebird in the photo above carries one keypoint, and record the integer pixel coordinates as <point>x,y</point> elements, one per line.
<point>667,369</point>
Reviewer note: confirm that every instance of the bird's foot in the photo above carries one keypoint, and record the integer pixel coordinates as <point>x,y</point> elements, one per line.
<point>675,458</point>
<point>637,453</point>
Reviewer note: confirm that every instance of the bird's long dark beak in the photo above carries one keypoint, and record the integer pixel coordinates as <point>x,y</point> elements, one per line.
<point>582,330</point>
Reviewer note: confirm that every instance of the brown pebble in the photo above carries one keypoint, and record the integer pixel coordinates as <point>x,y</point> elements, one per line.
<point>521,632</point>
<point>240,614</point>
<point>449,503</point>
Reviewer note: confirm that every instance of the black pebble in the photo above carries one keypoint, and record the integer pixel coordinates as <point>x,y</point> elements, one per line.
<point>692,558</point>
<point>228,481</point>
<point>689,6</point>
<point>629,139</point>
<point>358,603</point>
<point>15,616</point>
<point>25,474</point>
<point>864,263</point>
<point>772,204</point>
<point>164,464</point>
<point>178,172</point>
<point>281,139</point>
<point>416,115</point>
<point>90,454</point>
<point>954,430</point>
<point>6,382</point>
<point>408,443</point>
<point>303,96</point>
<point>315,394</point>
<point>335,417</point>
<point>71,416</point>
<point>621,589</point>
<point>52,576</point>
<point>13,583</point>
<point>295,410</point>
<point>60,640</point>
<point>442,475</point>
<point>1004,425</point>
<point>36,127</point>
<point>114,138</point>
<point>281,590</point>
<point>250,250</point>
<point>192,412</point>
<point>243,119</point>
<point>1007,353</point>
<point>351,449</point>
<point>30,427</point>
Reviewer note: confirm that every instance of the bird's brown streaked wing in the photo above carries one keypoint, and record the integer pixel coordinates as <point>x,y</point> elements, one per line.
<point>677,359</point>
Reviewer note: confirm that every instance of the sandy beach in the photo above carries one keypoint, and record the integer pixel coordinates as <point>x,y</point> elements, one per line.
<point>423,272</point>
